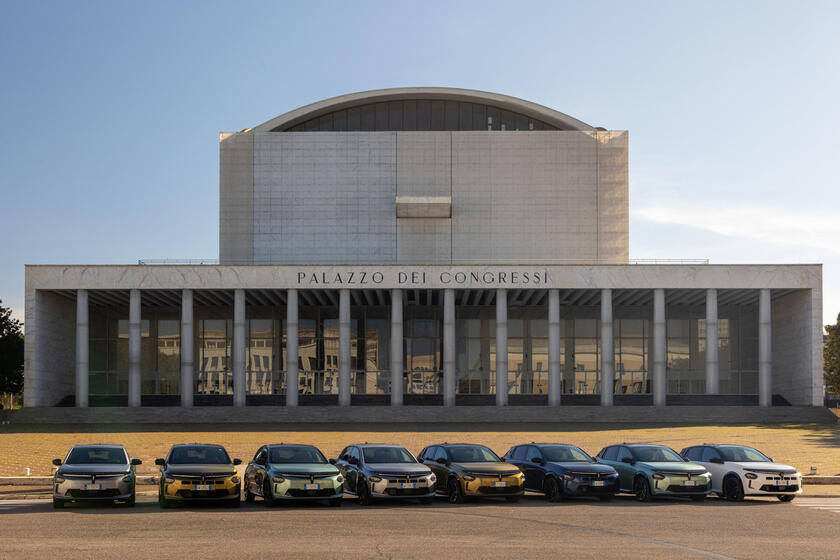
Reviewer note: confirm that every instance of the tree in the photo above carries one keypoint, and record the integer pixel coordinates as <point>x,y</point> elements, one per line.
<point>831,357</point>
<point>11,353</point>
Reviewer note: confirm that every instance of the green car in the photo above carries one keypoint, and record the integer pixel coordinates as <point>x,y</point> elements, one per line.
<point>655,470</point>
<point>292,472</point>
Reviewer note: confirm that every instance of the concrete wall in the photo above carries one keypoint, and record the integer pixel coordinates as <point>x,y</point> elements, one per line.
<point>236,198</point>
<point>49,372</point>
<point>796,365</point>
<point>517,197</point>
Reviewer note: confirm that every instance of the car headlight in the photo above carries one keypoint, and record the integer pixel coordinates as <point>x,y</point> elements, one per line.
<point>522,476</point>
<point>235,480</point>
<point>168,480</point>
<point>59,479</point>
<point>706,473</point>
<point>751,476</point>
<point>128,478</point>
<point>568,477</point>
<point>468,477</point>
<point>339,479</point>
<point>278,479</point>
<point>658,476</point>
<point>375,478</point>
<point>432,477</point>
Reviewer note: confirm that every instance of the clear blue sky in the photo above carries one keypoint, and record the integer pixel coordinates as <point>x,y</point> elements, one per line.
<point>110,112</point>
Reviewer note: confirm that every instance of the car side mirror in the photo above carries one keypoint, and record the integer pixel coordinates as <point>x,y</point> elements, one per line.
<point>627,460</point>
<point>237,461</point>
<point>57,462</point>
<point>443,461</point>
<point>135,461</point>
<point>353,461</point>
<point>537,460</point>
<point>332,461</point>
<point>160,462</point>
<point>717,460</point>
<point>771,459</point>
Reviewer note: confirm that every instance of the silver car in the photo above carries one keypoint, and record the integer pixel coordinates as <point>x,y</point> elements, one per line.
<point>373,470</point>
<point>94,472</point>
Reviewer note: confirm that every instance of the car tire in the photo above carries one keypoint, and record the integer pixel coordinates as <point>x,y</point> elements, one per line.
<point>268,496</point>
<point>336,502</point>
<point>453,491</point>
<point>641,487</point>
<point>551,490</point>
<point>58,504</point>
<point>786,498</point>
<point>606,497</point>
<point>131,501</point>
<point>365,498</point>
<point>733,489</point>
<point>163,502</point>
<point>249,497</point>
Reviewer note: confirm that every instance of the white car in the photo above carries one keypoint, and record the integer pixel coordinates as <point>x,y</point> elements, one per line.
<point>739,471</point>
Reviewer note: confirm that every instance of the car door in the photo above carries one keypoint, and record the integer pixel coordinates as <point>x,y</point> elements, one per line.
<point>250,472</point>
<point>626,472</point>
<point>352,472</point>
<point>260,466</point>
<point>717,469</point>
<point>430,456</point>
<point>533,469</point>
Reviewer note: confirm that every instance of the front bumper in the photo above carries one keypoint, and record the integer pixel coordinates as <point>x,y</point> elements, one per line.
<point>772,484</point>
<point>83,488</point>
<point>514,485</point>
<point>681,485</point>
<point>401,487</point>
<point>590,486</point>
<point>221,488</point>
<point>302,488</point>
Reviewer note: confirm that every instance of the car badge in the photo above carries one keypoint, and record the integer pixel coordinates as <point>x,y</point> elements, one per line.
<point>689,476</point>
<point>500,477</point>
<point>312,478</point>
<point>93,478</point>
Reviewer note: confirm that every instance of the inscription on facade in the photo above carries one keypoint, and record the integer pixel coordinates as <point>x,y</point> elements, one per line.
<point>416,278</point>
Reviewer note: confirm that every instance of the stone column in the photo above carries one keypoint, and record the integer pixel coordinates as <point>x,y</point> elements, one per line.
<point>81,348</point>
<point>607,354</point>
<point>292,347</point>
<point>449,372</point>
<point>238,347</point>
<point>396,347</point>
<point>187,356</point>
<point>555,375</point>
<point>501,348</point>
<point>134,349</point>
<point>344,347</point>
<point>659,380</point>
<point>712,371</point>
<point>765,350</point>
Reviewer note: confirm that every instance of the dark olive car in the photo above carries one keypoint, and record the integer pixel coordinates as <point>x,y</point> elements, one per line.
<point>198,472</point>
<point>467,470</point>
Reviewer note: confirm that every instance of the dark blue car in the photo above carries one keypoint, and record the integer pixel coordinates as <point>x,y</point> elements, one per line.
<point>559,471</point>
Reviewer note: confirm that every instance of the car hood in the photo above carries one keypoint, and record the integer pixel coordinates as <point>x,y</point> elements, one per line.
<point>765,466</point>
<point>398,468</point>
<point>201,469</point>
<point>94,469</point>
<point>495,468</point>
<point>672,466</point>
<point>584,467</point>
<point>304,468</point>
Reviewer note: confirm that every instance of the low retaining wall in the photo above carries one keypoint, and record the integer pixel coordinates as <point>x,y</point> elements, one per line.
<point>423,414</point>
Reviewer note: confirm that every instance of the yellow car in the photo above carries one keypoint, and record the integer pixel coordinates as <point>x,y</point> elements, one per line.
<point>467,470</point>
<point>198,472</point>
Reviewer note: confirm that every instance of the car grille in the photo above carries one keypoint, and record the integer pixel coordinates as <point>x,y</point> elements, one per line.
<point>299,493</point>
<point>680,489</point>
<point>408,491</point>
<point>493,474</point>
<point>198,480</point>
<point>301,476</point>
<point>588,478</point>
<point>402,477</point>
<point>88,476</point>
<point>492,490</point>
<point>774,488</point>
<point>198,494</point>
<point>109,493</point>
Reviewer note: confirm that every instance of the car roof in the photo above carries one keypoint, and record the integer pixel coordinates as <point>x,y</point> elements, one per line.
<point>376,445</point>
<point>115,445</point>
<point>641,445</point>
<point>547,444</point>
<point>458,444</point>
<point>288,445</point>
<point>196,444</point>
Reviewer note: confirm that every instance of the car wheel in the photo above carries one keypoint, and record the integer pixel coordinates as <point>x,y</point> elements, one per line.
<point>365,498</point>
<point>606,497</point>
<point>163,502</point>
<point>786,498</point>
<point>453,490</point>
<point>58,504</point>
<point>268,496</point>
<point>249,497</point>
<point>552,490</point>
<point>131,501</point>
<point>641,487</point>
<point>733,489</point>
<point>336,502</point>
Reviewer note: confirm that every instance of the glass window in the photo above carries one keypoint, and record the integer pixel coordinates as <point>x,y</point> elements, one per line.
<point>395,115</point>
<point>655,453</point>
<point>198,455</point>
<point>381,116</point>
<point>609,453</point>
<point>471,454</point>
<point>288,454</point>
<point>438,121</point>
<point>623,453</point>
<point>368,117</point>
<point>479,117</point>
<point>740,453</point>
<point>97,456</point>
<point>424,115</point>
<point>375,455</point>
<point>410,115</point>
<point>565,453</point>
<point>214,374</point>
<point>709,453</point>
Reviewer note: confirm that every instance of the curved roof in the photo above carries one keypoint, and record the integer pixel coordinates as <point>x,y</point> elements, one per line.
<point>298,116</point>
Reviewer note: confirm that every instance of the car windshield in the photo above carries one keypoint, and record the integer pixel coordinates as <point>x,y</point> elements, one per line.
<point>96,456</point>
<point>565,454</point>
<point>295,454</point>
<point>387,455</point>
<point>743,454</point>
<point>198,455</point>
<point>472,454</point>
<point>655,454</point>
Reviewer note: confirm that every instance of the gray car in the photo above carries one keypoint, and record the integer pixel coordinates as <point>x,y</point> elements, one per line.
<point>95,472</point>
<point>377,470</point>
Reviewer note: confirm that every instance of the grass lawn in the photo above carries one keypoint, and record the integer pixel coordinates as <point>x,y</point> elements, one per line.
<point>801,445</point>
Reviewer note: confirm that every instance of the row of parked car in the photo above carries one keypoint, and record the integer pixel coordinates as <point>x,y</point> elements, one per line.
<point>370,471</point>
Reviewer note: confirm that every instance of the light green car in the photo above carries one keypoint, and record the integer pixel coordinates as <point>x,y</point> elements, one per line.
<point>292,472</point>
<point>656,470</point>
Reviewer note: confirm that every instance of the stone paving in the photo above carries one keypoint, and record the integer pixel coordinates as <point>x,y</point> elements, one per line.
<point>800,445</point>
